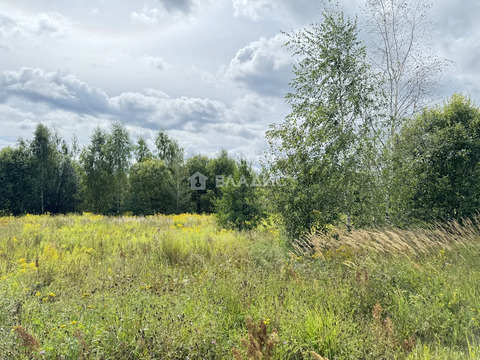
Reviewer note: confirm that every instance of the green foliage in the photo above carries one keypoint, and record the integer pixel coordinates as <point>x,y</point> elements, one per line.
<point>43,150</point>
<point>55,178</point>
<point>44,176</point>
<point>151,188</point>
<point>221,165</point>
<point>16,181</point>
<point>97,192</point>
<point>181,189</point>
<point>141,150</point>
<point>118,154</point>
<point>203,200</point>
<point>68,183</point>
<point>39,176</point>
<point>172,287</point>
<point>105,164</point>
<point>438,157</point>
<point>324,147</point>
<point>239,206</point>
<point>168,149</point>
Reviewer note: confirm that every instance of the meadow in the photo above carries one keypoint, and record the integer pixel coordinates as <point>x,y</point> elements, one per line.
<point>179,287</point>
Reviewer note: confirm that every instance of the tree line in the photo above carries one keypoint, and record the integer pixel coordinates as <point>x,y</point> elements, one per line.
<point>111,175</point>
<point>360,148</point>
<point>435,163</point>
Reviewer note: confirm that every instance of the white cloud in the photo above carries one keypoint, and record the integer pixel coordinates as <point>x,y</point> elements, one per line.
<point>300,12</point>
<point>256,110</point>
<point>263,66</point>
<point>253,9</point>
<point>455,38</point>
<point>151,108</point>
<point>183,6</point>
<point>62,101</point>
<point>14,28</point>
<point>156,11</point>
<point>119,50</point>
<point>14,122</point>
<point>157,62</point>
<point>147,16</point>
<point>53,88</point>
<point>161,112</point>
<point>51,25</point>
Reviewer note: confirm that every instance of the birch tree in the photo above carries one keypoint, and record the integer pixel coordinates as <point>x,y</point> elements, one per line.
<point>400,49</point>
<point>320,146</point>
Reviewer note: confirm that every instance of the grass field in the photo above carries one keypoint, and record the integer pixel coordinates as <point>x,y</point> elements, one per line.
<point>178,287</point>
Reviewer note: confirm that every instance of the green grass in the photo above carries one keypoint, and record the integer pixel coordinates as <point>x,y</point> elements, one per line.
<point>178,287</point>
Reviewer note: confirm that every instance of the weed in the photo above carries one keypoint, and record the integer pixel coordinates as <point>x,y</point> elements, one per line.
<point>177,287</point>
<point>258,345</point>
<point>29,342</point>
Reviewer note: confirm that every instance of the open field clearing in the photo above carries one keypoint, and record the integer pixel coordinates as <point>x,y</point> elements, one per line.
<point>178,287</point>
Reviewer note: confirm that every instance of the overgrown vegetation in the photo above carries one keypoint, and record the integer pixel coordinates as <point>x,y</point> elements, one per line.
<point>357,150</point>
<point>366,246</point>
<point>177,287</point>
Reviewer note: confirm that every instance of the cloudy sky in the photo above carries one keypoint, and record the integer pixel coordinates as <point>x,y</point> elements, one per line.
<point>212,73</point>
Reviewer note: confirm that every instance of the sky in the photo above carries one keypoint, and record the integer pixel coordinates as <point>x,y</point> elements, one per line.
<point>212,73</point>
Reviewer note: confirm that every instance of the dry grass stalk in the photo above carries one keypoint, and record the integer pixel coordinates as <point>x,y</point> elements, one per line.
<point>362,278</point>
<point>384,330</point>
<point>84,351</point>
<point>415,241</point>
<point>409,344</point>
<point>258,345</point>
<point>29,341</point>
<point>316,356</point>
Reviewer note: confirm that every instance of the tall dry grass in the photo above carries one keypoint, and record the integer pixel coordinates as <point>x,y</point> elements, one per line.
<point>394,241</point>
